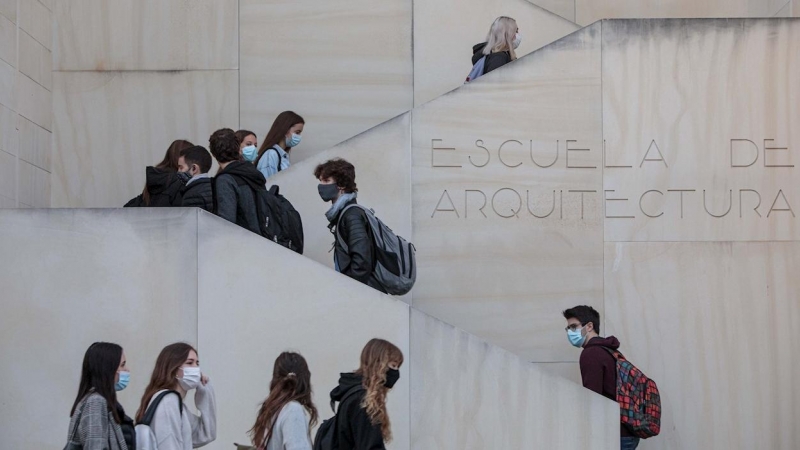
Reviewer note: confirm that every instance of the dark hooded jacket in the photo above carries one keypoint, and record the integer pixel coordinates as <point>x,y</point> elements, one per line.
<point>354,430</point>
<point>493,60</point>
<point>599,370</point>
<point>358,262</point>
<point>164,187</point>
<point>198,193</point>
<point>235,194</point>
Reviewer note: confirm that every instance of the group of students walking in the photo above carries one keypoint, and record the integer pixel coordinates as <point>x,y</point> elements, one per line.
<point>284,421</point>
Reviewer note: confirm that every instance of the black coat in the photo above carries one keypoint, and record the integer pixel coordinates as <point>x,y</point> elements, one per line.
<point>358,262</point>
<point>493,60</point>
<point>164,187</point>
<point>235,191</point>
<point>354,430</point>
<point>199,193</point>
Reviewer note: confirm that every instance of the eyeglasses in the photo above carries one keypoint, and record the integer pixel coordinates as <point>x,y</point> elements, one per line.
<point>573,327</point>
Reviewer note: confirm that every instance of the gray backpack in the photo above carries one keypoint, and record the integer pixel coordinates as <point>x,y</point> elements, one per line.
<point>395,258</point>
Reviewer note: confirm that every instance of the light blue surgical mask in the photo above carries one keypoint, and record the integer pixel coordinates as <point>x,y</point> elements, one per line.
<point>250,153</point>
<point>124,379</point>
<point>575,337</point>
<point>294,141</point>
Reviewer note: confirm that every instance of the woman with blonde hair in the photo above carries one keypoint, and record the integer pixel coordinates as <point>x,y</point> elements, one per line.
<point>498,50</point>
<point>362,422</point>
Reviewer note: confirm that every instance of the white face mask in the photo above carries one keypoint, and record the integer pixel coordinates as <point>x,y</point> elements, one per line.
<point>191,378</point>
<point>517,40</point>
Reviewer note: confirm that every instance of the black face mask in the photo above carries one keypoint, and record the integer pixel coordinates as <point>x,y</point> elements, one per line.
<point>392,375</point>
<point>328,192</point>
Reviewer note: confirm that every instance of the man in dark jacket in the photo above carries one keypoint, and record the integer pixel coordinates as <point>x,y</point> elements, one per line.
<point>598,366</point>
<point>354,430</point>
<point>196,162</point>
<point>337,179</point>
<point>236,183</point>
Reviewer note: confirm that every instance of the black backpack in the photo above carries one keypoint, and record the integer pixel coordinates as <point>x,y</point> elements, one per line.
<point>278,220</point>
<point>326,437</point>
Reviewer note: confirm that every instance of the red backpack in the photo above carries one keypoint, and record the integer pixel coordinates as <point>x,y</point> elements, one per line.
<point>638,398</point>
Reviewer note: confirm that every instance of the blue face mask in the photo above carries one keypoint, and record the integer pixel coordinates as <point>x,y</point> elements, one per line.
<point>294,141</point>
<point>575,337</point>
<point>124,379</point>
<point>250,153</point>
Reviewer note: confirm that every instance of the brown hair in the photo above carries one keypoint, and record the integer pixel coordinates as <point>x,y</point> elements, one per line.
<point>241,135</point>
<point>224,146</point>
<point>165,373</point>
<point>282,124</point>
<point>341,171</point>
<point>291,381</point>
<point>170,162</point>
<point>375,359</point>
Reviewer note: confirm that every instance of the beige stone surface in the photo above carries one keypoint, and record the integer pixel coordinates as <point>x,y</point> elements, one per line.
<point>8,77</point>
<point>34,102</point>
<point>569,370</point>
<point>141,113</point>
<point>382,158</point>
<point>786,11</point>
<point>705,96</point>
<point>34,185</point>
<point>502,273</point>
<point>446,30</point>
<point>8,8</point>
<point>8,41</point>
<point>278,301</point>
<point>35,144</point>
<point>711,323</point>
<point>467,394</point>
<point>9,137</point>
<point>77,277</point>
<point>146,35</point>
<point>344,65</point>
<point>564,8</point>
<point>35,60</point>
<point>588,11</point>
<point>37,21</point>
<point>8,175</point>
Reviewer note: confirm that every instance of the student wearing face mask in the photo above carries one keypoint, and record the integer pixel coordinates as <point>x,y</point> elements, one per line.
<point>195,162</point>
<point>248,144</point>
<point>362,421</point>
<point>502,40</point>
<point>164,182</point>
<point>273,156</point>
<point>174,426</point>
<point>97,420</point>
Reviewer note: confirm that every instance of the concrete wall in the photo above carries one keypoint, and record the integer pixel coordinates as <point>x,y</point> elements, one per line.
<point>26,86</point>
<point>146,278</point>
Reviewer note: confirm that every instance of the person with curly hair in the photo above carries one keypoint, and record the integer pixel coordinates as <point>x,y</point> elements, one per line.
<point>357,259</point>
<point>362,421</point>
<point>237,182</point>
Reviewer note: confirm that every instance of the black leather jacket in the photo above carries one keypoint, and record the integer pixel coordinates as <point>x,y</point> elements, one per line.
<point>199,193</point>
<point>358,262</point>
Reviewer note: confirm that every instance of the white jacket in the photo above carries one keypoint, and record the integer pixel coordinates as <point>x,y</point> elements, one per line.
<point>176,431</point>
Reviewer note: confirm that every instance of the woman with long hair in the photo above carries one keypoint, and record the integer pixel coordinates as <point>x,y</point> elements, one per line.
<point>502,40</point>
<point>286,416</point>
<point>362,420</point>
<point>248,144</point>
<point>273,156</point>
<point>97,420</point>
<point>174,426</point>
<point>163,182</point>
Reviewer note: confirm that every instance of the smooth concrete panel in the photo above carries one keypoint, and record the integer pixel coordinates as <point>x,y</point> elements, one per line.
<point>34,185</point>
<point>344,65</point>
<point>37,21</point>
<point>786,11</point>
<point>487,263</point>
<point>564,8</point>
<point>711,323</point>
<point>382,158</point>
<point>569,371</point>
<point>710,107</point>
<point>588,11</point>
<point>8,81</point>
<point>109,126</point>
<point>8,175</point>
<point>34,102</point>
<point>8,8</point>
<point>467,394</point>
<point>35,60</point>
<point>71,278</point>
<point>8,41</point>
<point>9,137</point>
<point>147,35</point>
<point>35,144</point>
<point>445,31</point>
<point>257,299</point>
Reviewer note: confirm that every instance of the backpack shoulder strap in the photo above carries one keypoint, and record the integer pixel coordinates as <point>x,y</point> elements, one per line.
<point>279,157</point>
<point>615,353</point>
<point>339,238</point>
<point>151,410</point>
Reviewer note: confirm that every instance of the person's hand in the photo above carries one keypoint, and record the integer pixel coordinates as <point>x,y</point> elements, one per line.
<point>203,379</point>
